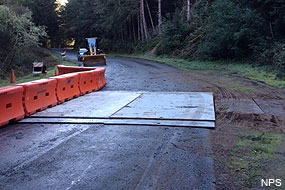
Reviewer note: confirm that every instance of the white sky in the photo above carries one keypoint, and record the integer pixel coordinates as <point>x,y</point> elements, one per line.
<point>63,2</point>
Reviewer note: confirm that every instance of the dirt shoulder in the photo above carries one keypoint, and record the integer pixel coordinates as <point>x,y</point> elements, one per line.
<point>250,130</point>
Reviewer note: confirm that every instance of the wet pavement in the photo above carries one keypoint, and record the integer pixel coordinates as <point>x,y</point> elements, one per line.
<point>80,156</point>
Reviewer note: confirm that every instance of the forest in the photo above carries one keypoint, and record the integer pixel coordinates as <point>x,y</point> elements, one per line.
<point>239,30</point>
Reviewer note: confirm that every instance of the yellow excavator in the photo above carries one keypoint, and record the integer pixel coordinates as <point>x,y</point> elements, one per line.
<point>93,57</point>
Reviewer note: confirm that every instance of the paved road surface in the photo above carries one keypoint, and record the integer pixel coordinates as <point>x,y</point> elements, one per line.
<point>54,156</point>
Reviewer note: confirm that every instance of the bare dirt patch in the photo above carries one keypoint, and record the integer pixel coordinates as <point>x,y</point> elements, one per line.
<point>250,131</point>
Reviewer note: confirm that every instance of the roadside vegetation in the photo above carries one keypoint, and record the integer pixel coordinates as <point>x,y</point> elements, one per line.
<point>51,58</point>
<point>231,31</point>
<point>251,156</point>
<point>18,37</point>
<point>24,32</point>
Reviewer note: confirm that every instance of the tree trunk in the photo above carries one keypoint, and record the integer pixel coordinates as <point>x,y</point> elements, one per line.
<point>6,62</point>
<point>122,35</point>
<point>159,14</point>
<point>143,21</point>
<point>12,59</point>
<point>188,11</point>
<point>271,30</point>
<point>141,27</point>
<point>139,31</point>
<point>134,30</point>
<point>151,20</point>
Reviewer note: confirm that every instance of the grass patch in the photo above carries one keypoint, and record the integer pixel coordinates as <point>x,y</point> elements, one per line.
<point>260,73</point>
<point>251,154</point>
<point>237,87</point>
<point>30,77</point>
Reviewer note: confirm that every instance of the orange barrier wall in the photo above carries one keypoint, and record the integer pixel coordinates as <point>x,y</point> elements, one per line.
<point>88,81</point>
<point>11,104</point>
<point>39,95</point>
<point>67,86</point>
<point>71,69</point>
<point>28,98</point>
<point>101,77</point>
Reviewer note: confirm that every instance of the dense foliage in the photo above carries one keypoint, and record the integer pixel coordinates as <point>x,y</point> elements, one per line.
<point>17,35</point>
<point>246,29</point>
<point>45,14</point>
<point>213,29</point>
<point>192,29</point>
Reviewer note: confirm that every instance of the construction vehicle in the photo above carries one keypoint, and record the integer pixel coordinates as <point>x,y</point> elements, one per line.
<point>93,57</point>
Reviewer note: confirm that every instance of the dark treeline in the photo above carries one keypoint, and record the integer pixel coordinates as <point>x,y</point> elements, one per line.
<point>191,29</point>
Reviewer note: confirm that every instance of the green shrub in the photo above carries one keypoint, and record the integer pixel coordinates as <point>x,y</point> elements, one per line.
<point>275,55</point>
<point>17,34</point>
<point>173,34</point>
<point>231,31</point>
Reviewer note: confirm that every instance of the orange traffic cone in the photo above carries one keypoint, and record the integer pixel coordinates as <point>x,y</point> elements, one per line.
<point>54,73</point>
<point>12,78</point>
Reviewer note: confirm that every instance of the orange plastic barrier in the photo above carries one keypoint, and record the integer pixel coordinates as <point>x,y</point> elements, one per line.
<point>11,104</point>
<point>88,81</point>
<point>101,77</point>
<point>71,69</point>
<point>67,86</point>
<point>39,95</point>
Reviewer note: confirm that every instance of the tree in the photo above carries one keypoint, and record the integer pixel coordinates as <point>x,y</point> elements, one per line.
<point>150,17</point>
<point>159,14</point>
<point>232,31</point>
<point>143,21</point>
<point>112,21</point>
<point>17,32</point>
<point>188,10</point>
<point>44,14</point>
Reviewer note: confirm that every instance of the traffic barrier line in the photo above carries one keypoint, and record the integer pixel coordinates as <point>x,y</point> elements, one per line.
<point>39,95</point>
<point>67,87</point>
<point>11,104</point>
<point>88,82</point>
<point>24,99</point>
<point>62,69</point>
<point>101,78</point>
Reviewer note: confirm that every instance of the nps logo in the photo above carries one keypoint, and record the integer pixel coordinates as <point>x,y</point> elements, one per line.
<point>271,182</point>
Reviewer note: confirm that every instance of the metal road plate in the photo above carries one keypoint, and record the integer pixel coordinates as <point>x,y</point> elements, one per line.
<point>186,109</point>
<point>189,105</point>
<point>97,104</point>
<point>246,106</point>
<point>272,107</point>
<point>143,122</point>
